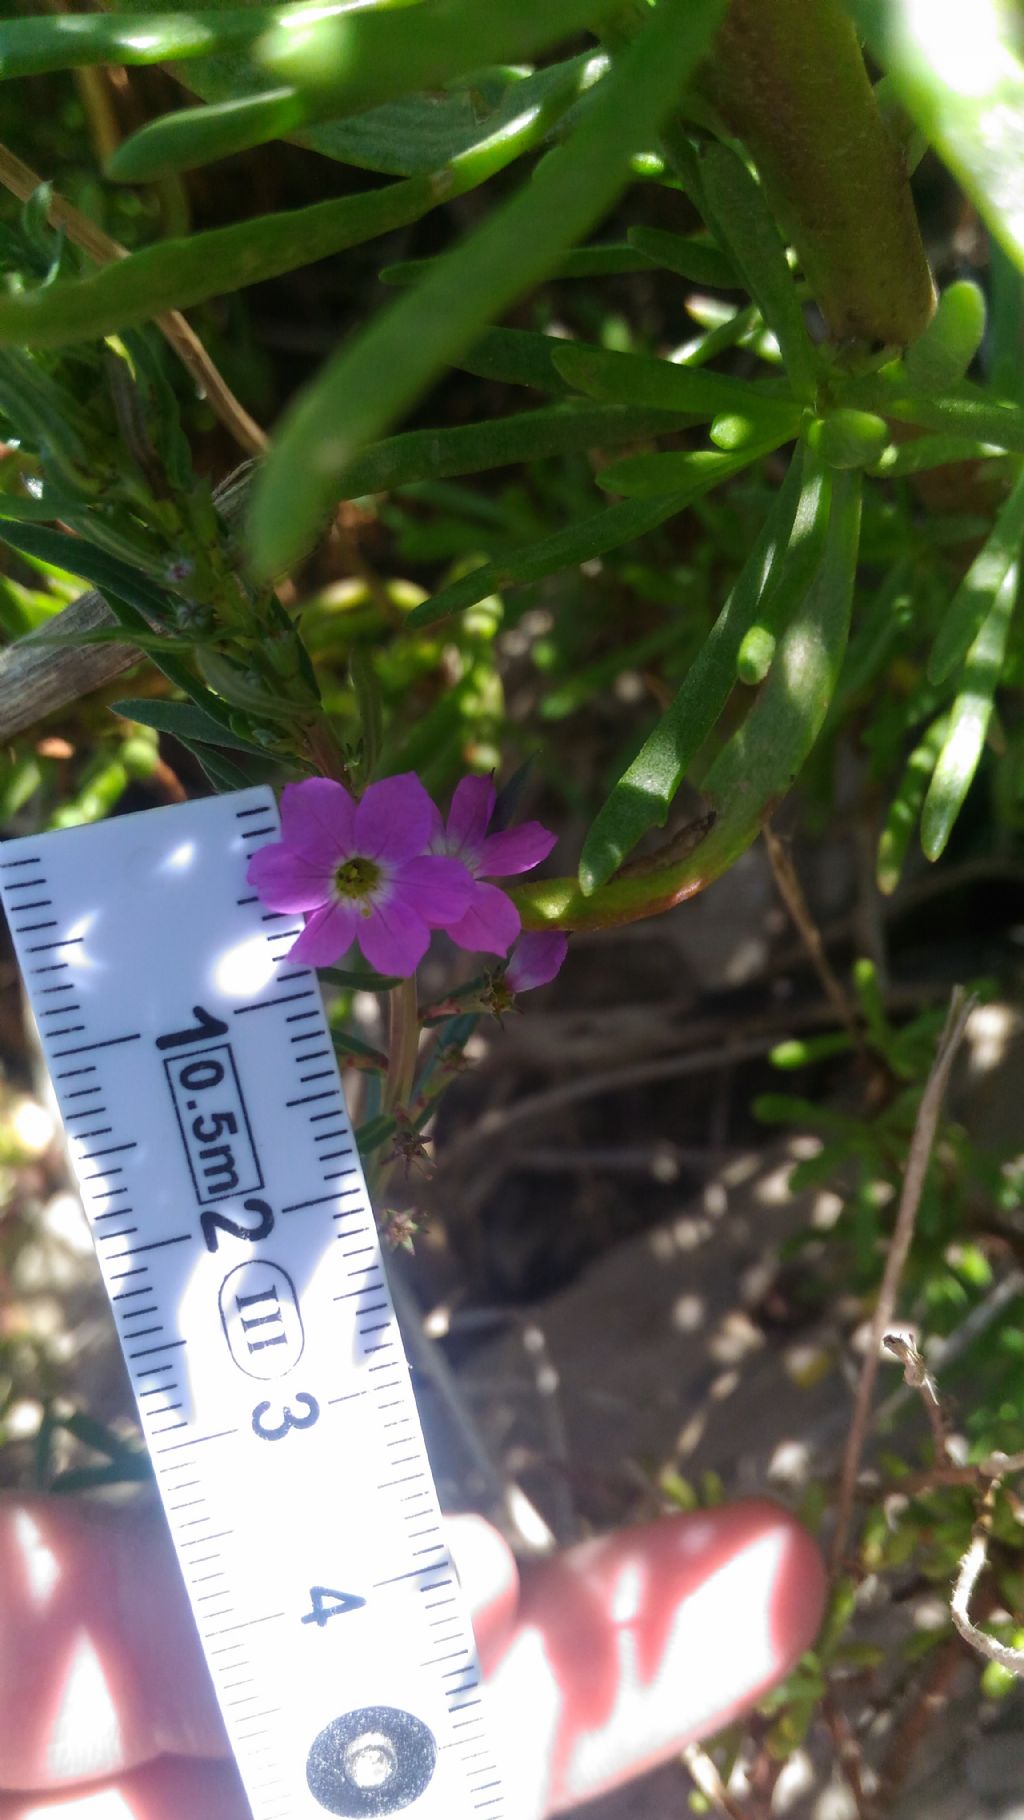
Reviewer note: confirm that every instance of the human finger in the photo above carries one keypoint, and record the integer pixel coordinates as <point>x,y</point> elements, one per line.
<point>627,1648</point>
<point>101,1667</point>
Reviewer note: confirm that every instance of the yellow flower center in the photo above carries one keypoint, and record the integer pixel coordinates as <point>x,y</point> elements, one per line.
<point>356,879</point>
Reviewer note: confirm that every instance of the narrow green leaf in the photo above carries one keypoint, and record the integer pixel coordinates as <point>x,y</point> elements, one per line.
<point>693,470</point>
<point>741,219</point>
<point>698,261</point>
<point>350,979</point>
<point>581,262</point>
<point>472,448</point>
<point>185,721</point>
<point>198,135</point>
<point>957,72</point>
<point>342,64</point>
<point>758,765</point>
<point>964,410</point>
<point>640,379</point>
<point>419,133</point>
<point>175,274</point>
<point>34,47</point>
<point>516,357</point>
<point>77,556</point>
<point>579,542</point>
<point>969,719</point>
<point>975,597</point>
<point>392,362</point>
<point>926,452</point>
<point>618,524</point>
<point>646,790</point>
<point>790,578</point>
<point>905,808</point>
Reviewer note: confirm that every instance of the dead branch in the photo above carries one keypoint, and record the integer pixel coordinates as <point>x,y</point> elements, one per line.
<point>960,1008</point>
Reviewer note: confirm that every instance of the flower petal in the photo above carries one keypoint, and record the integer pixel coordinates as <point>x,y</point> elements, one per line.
<point>490,925</point>
<point>328,935</point>
<point>393,938</point>
<point>394,819</point>
<point>538,956</point>
<point>317,819</point>
<point>439,890</point>
<point>515,850</point>
<point>287,880</point>
<point>469,816</point>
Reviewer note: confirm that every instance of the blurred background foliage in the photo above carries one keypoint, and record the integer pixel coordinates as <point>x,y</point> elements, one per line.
<point>649,405</point>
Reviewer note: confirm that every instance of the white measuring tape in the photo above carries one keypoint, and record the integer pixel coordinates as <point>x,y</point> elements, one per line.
<point>200,1093</point>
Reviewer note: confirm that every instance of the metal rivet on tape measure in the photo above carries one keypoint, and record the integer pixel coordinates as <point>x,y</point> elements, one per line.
<point>197,1082</point>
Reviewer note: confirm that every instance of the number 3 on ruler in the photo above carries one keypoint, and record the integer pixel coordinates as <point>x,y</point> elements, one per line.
<point>289,1419</point>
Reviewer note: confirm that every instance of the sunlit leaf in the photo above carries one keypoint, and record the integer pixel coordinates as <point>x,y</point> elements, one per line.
<point>957,73</point>
<point>645,792</point>
<point>174,274</point>
<point>387,367</point>
<point>742,221</point>
<point>975,597</point>
<point>344,64</point>
<point>579,542</point>
<point>969,718</point>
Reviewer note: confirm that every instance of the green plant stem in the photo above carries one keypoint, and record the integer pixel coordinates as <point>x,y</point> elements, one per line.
<point>788,78</point>
<point>404,1032</point>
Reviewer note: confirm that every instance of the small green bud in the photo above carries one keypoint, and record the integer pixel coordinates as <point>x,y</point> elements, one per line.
<point>139,755</point>
<point>942,355</point>
<point>848,439</point>
<point>755,655</point>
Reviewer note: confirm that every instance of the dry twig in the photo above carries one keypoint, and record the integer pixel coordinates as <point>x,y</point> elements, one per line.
<point>960,1008</point>
<point>792,894</point>
<point>22,181</point>
<point>705,1775</point>
<point>967,1576</point>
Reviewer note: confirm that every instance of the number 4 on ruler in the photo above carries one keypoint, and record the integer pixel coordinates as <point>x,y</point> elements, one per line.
<point>340,1602</point>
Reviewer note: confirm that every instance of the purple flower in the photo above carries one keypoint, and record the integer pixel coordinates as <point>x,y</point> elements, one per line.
<point>490,922</point>
<point>536,958</point>
<point>361,871</point>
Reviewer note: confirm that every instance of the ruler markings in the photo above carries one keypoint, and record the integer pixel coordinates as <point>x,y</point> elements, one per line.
<point>110,1042</point>
<point>242,1251</point>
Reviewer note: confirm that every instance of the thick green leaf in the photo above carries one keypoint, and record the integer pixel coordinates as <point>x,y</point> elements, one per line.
<point>386,368</point>
<point>640,379</point>
<point>957,72</point>
<point>975,598</point>
<point>178,273</point>
<point>698,261</point>
<point>941,356</point>
<point>348,64</point>
<point>737,211</point>
<point>903,811</point>
<point>579,542</point>
<point>969,718</point>
<point>646,790</point>
<point>186,722</point>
